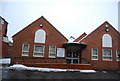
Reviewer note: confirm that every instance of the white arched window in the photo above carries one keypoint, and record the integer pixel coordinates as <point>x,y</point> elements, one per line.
<point>40,36</point>
<point>106,40</point>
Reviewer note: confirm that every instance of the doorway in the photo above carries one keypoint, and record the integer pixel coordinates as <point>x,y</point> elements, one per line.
<point>72,57</point>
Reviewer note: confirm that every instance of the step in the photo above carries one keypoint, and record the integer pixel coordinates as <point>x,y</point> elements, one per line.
<point>60,65</point>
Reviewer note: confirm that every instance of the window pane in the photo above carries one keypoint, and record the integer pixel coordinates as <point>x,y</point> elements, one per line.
<point>75,54</point>
<point>68,61</point>
<point>25,53</point>
<point>51,54</point>
<point>94,57</point>
<point>40,36</point>
<point>118,52</point>
<point>94,54</point>
<point>69,54</point>
<point>94,51</point>
<point>39,48</point>
<point>107,52</point>
<point>118,58</point>
<point>25,47</point>
<point>75,61</point>
<point>38,54</point>
<point>52,49</point>
<point>107,58</point>
<point>106,40</point>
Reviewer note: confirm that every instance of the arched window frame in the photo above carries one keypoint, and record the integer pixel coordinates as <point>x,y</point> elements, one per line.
<point>106,40</point>
<point>40,36</point>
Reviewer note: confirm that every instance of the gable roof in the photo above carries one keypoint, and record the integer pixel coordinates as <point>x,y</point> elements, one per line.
<point>37,20</point>
<point>3,19</point>
<point>80,37</point>
<point>106,22</point>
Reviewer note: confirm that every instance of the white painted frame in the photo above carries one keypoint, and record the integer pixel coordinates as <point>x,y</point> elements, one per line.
<point>106,56</point>
<point>106,40</point>
<point>94,55</point>
<point>50,52</point>
<point>40,36</point>
<point>38,52</point>
<point>25,51</point>
<point>117,55</point>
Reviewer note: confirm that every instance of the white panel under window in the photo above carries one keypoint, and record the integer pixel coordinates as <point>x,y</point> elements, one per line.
<point>39,50</point>
<point>117,55</point>
<point>60,52</point>
<point>40,36</point>
<point>25,49</point>
<point>107,54</point>
<point>94,54</point>
<point>52,51</point>
<point>106,40</point>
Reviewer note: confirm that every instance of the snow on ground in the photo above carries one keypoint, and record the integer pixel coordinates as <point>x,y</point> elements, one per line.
<point>22,67</point>
<point>87,71</point>
<point>5,61</point>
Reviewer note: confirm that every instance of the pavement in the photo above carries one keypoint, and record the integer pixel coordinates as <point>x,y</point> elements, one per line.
<point>9,75</point>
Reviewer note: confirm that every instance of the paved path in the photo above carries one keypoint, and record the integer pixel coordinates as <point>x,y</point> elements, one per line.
<point>10,74</point>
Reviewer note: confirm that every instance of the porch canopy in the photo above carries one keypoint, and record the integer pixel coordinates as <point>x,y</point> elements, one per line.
<point>74,44</point>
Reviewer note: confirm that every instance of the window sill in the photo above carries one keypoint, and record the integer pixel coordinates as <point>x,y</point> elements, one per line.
<point>95,59</point>
<point>52,57</point>
<point>107,60</point>
<point>25,55</point>
<point>38,56</point>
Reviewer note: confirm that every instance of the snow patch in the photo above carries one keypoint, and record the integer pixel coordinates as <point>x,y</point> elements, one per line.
<point>22,67</point>
<point>5,61</point>
<point>87,71</point>
<point>5,39</point>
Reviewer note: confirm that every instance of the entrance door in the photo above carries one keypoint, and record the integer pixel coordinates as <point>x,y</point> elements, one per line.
<point>72,58</point>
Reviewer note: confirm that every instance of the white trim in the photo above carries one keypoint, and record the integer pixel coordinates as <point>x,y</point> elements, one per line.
<point>54,53</point>
<point>117,55</point>
<point>106,56</point>
<point>106,40</point>
<point>94,55</point>
<point>38,52</point>
<point>25,51</point>
<point>40,36</point>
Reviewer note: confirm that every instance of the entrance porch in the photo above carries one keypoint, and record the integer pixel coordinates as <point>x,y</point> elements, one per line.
<point>73,52</point>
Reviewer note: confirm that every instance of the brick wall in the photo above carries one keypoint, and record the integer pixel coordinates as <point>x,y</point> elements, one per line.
<point>26,36</point>
<point>94,40</point>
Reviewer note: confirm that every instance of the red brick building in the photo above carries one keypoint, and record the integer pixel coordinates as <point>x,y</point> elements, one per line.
<point>103,47</point>
<point>5,48</point>
<point>40,44</point>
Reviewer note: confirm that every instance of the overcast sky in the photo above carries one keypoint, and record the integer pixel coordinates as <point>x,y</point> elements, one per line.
<point>70,17</point>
